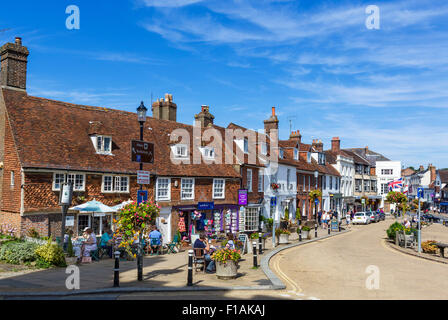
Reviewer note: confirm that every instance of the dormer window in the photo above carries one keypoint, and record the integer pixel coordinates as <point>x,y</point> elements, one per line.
<point>180,151</point>
<point>282,153</point>
<point>322,158</point>
<point>208,153</point>
<point>104,144</point>
<point>246,145</point>
<point>308,157</point>
<point>296,154</point>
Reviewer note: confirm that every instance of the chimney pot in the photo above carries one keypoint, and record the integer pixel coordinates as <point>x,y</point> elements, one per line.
<point>273,111</point>
<point>19,41</point>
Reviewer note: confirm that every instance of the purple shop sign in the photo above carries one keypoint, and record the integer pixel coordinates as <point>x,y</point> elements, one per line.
<point>242,197</point>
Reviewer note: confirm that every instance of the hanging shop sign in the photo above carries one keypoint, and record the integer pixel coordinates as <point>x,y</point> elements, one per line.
<point>206,205</point>
<point>242,197</point>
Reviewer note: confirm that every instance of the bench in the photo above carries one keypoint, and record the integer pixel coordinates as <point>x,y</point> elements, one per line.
<point>441,247</point>
<point>403,241</point>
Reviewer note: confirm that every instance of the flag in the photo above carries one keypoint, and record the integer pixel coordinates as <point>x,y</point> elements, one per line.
<point>396,184</point>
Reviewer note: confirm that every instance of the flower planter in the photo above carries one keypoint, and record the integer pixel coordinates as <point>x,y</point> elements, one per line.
<point>226,271</point>
<point>283,238</point>
<point>305,234</point>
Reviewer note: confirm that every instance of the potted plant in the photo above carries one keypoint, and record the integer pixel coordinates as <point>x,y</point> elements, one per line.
<point>255,236</point>
<point>70,258</point>
<point>226,261</point>
<point>282,235</point>
<point>305,232</point>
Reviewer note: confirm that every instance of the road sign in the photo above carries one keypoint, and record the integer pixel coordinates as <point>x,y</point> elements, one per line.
<point>273,201</point>
<point>316,201</point>
<point>142,196</point>
<point>142,151</point>
<point>143,177</point>
<point>420,192</point>
<point>65,197</point>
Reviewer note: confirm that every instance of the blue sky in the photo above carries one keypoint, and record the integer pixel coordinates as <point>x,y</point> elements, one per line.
<point>314,60</point>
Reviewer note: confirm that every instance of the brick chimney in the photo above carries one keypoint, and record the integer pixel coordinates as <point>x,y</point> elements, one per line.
<point>13,59</point>
<point>422,168</point>
<point>295,135</point>
<point>165,109</point>
<point>335,145</point>
<point>271,123</point>
<point>318,145</point>
<point>432,169</point>
<point>204,117</point>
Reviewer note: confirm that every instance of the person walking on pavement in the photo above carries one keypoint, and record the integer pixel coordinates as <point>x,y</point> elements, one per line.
<point>347,217</point>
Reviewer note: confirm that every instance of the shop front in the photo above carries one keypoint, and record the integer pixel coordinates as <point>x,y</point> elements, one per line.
<point>99,222</point>
<point>206,217</point>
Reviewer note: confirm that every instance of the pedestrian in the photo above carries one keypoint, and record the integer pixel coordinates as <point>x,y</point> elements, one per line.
<point>347,218</point>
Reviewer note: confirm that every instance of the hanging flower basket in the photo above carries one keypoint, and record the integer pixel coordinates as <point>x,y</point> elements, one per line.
<point>275,186</point>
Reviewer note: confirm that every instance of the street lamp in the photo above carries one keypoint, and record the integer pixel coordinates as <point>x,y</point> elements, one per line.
<point>141,113</point>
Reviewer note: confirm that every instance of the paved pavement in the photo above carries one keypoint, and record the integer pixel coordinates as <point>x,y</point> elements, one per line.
<point>165,271</point>
<point>337,268</point>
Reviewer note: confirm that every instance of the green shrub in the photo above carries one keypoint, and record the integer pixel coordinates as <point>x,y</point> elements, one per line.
<point>52,254</point>
<point>42,264</point>
<point>33,233</point>
<point>304,228</point>
<point>16,252</point>
<point>70,251</point>
<point>278,232</point>
<point>396,226</point>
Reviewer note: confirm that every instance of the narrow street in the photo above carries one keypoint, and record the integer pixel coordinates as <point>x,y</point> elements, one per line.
<point>335,268</point>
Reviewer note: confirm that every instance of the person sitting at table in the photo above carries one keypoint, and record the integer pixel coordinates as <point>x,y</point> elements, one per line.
<point>89,244</point>
<point>230,243</point>
<point>155,240</point>
<point>106,241</point>
<point>202,243</point>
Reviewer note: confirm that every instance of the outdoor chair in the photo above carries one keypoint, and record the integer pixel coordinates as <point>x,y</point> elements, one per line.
<point>199,259</point>
<point>155,243</point>
<point>95,254</point>
<point>171,246</point>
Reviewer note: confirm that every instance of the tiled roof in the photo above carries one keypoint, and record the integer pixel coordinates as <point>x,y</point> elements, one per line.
<point>55,135</point>
<point>407,172</point>
<point>443,176</point>
<point>356,158</point>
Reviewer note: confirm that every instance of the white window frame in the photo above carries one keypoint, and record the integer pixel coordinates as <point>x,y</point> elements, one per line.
<point>182,197</point>
<point>260,180</point>
<point>208,153</point>
<point>281,153</point>
<point>180,147</point>
<point>116,184</point>
<point>251,219</point>
<point>74,174</point>
<point>246,145</point>
<point>54,188</point>
<point>101,149</point>
<point>223,189</point>
<point>296,154</point>
<point>249,182</point>
<point>168,196</point>
<point>12,178</point>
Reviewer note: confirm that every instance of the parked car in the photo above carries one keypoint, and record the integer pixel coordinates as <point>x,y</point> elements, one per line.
<point>373,216</point>
<point>361,218</point>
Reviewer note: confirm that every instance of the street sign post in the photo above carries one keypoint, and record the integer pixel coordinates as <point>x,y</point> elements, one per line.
<point>143,177</point>
<point>65,200</point>
<point>420,195</point>
<point>142,151</point>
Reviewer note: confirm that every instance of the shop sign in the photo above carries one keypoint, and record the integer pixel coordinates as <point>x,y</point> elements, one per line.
<point>242,197</point>
<point>142,196</point>
<point>206,205</point>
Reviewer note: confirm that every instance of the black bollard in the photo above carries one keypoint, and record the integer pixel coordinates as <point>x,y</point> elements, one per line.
<point>190,268</point>
<point>300,233</point>
<point>260,245</point>
<point>255,253</point>
<point>117,269</point>
<point>329,227</point>
<point>315,230</point>
<point>339,224</point>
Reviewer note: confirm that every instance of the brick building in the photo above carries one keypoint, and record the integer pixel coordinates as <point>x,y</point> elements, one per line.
<point>45,142</point>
